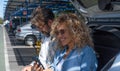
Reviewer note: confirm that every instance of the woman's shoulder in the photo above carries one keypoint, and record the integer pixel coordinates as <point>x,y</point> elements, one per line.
<point>88,49</point>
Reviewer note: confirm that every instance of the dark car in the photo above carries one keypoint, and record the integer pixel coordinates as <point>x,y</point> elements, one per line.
<point>103,17</point>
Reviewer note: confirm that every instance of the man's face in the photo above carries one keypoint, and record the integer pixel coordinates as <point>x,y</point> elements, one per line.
<point>44,28</point>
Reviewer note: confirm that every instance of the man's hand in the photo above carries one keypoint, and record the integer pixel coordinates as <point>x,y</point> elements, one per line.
<point>48,69</point>
<point>27,68</point>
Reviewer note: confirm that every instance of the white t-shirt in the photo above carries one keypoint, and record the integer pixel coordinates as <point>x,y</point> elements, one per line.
<point>59,66</point>
<point>44,51</point>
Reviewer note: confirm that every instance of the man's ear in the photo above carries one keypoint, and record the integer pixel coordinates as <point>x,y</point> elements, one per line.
<point>50,22</point>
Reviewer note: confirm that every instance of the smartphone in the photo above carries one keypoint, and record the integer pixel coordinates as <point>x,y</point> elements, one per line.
<point>37,60</point>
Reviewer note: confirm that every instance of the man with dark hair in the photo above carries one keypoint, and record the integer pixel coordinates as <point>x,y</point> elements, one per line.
<point>42,18</point>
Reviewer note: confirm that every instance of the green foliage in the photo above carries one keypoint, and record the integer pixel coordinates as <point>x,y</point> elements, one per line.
<point>1,20</point>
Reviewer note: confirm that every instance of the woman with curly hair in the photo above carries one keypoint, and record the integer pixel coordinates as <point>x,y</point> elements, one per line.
<point>74,51</point>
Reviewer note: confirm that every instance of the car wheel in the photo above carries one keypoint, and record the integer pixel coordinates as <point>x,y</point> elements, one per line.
<point>30,40</point>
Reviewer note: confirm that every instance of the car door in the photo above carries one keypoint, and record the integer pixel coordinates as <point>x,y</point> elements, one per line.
<point>105,25</point>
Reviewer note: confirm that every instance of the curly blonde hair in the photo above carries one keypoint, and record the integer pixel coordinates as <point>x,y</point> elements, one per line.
<point>77,28</point>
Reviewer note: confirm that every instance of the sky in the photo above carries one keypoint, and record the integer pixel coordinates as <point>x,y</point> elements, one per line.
<point>2,7</point>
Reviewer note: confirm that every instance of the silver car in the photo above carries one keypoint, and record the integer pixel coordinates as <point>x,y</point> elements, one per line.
<point>27,34</point>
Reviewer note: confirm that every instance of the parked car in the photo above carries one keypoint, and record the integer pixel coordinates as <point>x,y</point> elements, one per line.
<point>103,17</point>
<point>27,34</point>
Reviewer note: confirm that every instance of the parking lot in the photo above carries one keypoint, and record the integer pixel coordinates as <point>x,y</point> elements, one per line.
<point>103,19</point>
<point>17,54</point>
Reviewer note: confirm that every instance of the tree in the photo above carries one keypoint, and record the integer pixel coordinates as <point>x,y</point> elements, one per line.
<point>1,20</point>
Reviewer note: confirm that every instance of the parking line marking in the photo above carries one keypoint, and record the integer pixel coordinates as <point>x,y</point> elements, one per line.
<point>5,52</point>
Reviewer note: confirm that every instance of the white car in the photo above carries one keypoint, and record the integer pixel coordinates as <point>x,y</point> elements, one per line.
<point>27,34</point>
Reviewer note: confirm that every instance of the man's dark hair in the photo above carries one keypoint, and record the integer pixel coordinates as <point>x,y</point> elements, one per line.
<point>48,14</point>
<point>43,14</point>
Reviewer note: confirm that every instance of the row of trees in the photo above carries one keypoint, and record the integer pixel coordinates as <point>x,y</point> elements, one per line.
<point>1,20</point>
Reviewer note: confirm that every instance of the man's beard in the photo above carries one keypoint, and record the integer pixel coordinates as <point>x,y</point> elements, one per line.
<point>46,33</point>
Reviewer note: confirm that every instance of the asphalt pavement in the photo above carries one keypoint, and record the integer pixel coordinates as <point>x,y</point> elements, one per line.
<point>14,55</point>
<point>2,57</point>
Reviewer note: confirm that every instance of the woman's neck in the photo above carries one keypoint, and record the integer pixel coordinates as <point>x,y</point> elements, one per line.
<point>70,47</point>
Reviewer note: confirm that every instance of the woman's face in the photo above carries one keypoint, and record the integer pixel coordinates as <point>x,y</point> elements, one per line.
<point>63,35</point>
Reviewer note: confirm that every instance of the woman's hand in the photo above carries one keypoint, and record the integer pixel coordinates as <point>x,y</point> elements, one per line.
<point>36,67</point>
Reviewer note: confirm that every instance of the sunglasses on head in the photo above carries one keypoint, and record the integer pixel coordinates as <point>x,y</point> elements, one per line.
<point>62,31</point>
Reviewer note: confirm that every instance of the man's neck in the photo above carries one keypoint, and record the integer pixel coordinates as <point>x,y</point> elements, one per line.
<point>47,34</point>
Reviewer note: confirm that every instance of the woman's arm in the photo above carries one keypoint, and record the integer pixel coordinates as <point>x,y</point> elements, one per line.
<point>89,61</point>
